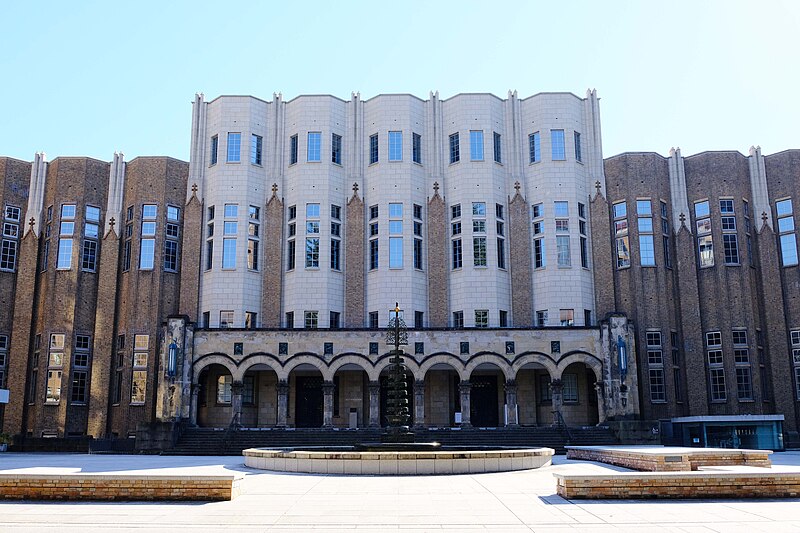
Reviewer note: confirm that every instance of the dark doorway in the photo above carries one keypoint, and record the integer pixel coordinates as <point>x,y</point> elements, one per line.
<point>384,380</point>
<point>483,401</point>
<point>308,402</point>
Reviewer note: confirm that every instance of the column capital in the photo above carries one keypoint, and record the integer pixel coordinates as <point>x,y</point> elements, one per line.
<point>511,385</point>
<point>237,386</point>
<point>464,386</point>
<point>374,385</point>
<point>419,385</point>
<point>328,386</point>
<point>283,386</point>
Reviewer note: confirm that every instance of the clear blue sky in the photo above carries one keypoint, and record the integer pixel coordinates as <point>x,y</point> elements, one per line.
<point>89,78</point>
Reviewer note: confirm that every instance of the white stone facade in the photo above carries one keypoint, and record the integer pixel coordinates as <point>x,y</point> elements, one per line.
<point>402,175</point>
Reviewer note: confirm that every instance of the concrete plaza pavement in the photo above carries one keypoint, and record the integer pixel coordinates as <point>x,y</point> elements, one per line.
<point>510,502</point>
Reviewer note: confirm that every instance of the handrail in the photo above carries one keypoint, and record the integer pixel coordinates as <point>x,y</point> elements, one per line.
<point>562,425</point>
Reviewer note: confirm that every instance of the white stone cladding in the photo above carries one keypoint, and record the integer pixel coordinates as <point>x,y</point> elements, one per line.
<point>471,287</point>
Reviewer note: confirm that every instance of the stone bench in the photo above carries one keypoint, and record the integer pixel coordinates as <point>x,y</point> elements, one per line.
<point>669,459</point>
<point>705,484</point>
<point>119,487</point>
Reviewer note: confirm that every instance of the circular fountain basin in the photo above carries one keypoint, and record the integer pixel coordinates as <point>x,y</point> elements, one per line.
<point>346,460</point>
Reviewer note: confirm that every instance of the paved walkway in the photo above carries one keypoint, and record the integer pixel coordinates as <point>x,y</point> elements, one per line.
<point>506,502</point>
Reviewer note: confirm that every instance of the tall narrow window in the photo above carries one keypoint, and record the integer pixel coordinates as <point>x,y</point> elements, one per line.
<point>336,253</point>
<point>621,235</point>
<point>336,149</point>
<point>256,146</point>
<point>234,147</point>
<point>558,151</point>
<point>214,149</point>
<point>644,214</point>
<point>373,148</point>
<point>716,370</point>
<point>455,151</point>
<point>293,150</point>
<point>479,251</point>
<point>373,254</point>
<point>395,146</point>
<point>314,146</point>
<point>416,148</point>
<point>705,242</point>
<point>457,254</point>
<point>578,155</point>
<point>786,230</point>
<point>476,145</point>
<point>418,254</point>
<point>562,245</point>
<point>229,253</point>
<point>498,147</point>
<point>534,148</point>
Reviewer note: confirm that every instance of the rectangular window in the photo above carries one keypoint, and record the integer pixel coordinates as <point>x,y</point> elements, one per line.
<point>476,145</point>
<point>373,320</point>
<point>455,152</point>
<point>731,247</point>
<point>139,386</point>
<point>230,228</point>
<point>534,148</point>
<point>312,252</point>
<point>53,395</point>
<point>456,228</point>
<point>717,379</point>
<point>373,149</point>
<point>89,256</point>
<point>8,255</point>
<point>224,389</point>
<point>336,149</point>
<point>250,320</point>
<point>290,319</point>
<point>228,253</point>
<point>256,144</point>
<point>481,318</point>
<point>562,244</point>
<point>314,146</point>
<point>458,319</point>
<point>252,254</point>
<point>561,209</point>
<point>395,146</point>
<point>147,254</point>
<point>541,319</point>
<point>416,148</point>
<point>373,254</point>
<point>234,147</point>
<point>498,154</point>
<point>226,319</point>
<point>538,253</point>
<point>457,254</point>
<point>312,210</point>
<point>395,252</point>
<point>418,254</point>
<point>214,149</point>
<point>569,389</point>
<point>567,317</point>
<point>478,226</point>
<point>658,392</point>
<point>290,255</point>
<point>231,211</point>
<point>333,321</point>
<point>293,150</point>
<point>209,254</point>
<point>336,253</point>
<point>557,145</point>
<point>311,319</point>
<point>578,156</point>
<point>584,253</point>
<point>455,211</point>
<point>79,386</point>
<point>479,251</point>
<point>501,253</point>
<point>312,227</point>
<point>647,252</point>
<point>479,209</point>
<point>705,247</point>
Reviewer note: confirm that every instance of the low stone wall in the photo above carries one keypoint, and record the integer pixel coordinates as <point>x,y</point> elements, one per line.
<point>634,485</point>
<point>669,460</point>
<point>119,487</point>
<point>397,463</point>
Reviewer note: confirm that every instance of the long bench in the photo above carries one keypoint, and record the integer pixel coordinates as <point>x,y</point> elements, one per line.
<point>669,459</point>
<point>705,484</point>
<point>118,487</point>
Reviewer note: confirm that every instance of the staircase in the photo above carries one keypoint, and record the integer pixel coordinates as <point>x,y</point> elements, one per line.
<point>211,441</point>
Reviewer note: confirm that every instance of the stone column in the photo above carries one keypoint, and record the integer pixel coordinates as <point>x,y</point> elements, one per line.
<point>374,404</point>
<point>283,403</point>
<point>601,406</point>
<point>511,403</point>
<point>194,404</point>
<point>327,404</point>
<point>236,402</point>
<point>419,403</point>
<point>556,388</point>
<point>465,389</point>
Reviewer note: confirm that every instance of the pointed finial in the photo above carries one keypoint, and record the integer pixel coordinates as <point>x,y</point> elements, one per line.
<point>32,222</point>
<point>274,189</point>
<point>194,188</point>
<point>597,186</point>
<point>436,187</point>
<point>517,186</point>
<point>355,188</point>
<point>682,218</point>
<point>764,216</point>
<point>111,222</point>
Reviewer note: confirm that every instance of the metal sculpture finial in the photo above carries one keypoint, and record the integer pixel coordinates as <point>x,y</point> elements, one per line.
<point>32,222</point>
<point>517,186</point>
<point>597,186</point>
<point>274,189</point>
<point>764,216</point>
<point>682,218</point>
<point>194,188</point>
<point>111,222</point>
<point>355,188</point>
<point>435,187</point>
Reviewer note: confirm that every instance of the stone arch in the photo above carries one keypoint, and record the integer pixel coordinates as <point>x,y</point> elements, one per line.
<point>541,359</point>
<point>412,365</point>
<point>350,359</point>
<point>207,360</point>
<point>579,357</point>
<point>447,359</point>
<point>297,360</point>
<point>492,359</point>
<point>254,359</point>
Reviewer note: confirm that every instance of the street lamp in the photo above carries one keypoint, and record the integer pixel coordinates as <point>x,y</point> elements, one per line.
<point>397,393</point>
<point>172,359</point>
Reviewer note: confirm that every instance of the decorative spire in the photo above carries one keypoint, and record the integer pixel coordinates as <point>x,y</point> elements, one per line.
<point>435,187</point>
<point>32,222</point>
<point>597,186</point>
<point>194,188</point>
<point>682,218</point>
<point>517,186</point>
<point>355,188</point>
<point>111,222</point>
<point>274,189</point>
<point>764,217</point>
